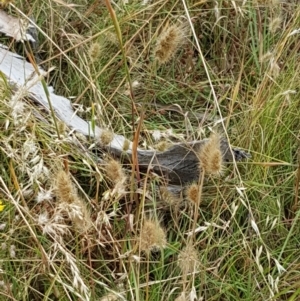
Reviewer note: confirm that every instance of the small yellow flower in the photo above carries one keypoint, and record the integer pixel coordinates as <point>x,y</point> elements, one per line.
<point>1,206</point>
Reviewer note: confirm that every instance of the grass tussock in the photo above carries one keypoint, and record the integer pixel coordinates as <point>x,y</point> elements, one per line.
<point>76,224</point>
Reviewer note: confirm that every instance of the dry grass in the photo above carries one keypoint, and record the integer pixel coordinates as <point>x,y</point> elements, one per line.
<point>75,229</point>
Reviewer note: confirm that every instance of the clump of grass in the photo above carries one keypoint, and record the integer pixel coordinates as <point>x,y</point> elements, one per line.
<point>86,241</point>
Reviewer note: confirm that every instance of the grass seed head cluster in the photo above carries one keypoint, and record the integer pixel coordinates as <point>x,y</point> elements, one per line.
<point>152,236</point>
<point>210,156</point>
<point>169,42</point>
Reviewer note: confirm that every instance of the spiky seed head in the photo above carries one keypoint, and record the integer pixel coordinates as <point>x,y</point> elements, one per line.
<point>162,146</point>
<point>61,127</point>
<point>192,193</point>
<point>152,236</point>
<point>76,212</point>
<point>106,137</point>
<point>266,57</point>
<point>64,188</point>
<point>168,197</point>
<point>115,172</point>
<point>82,218</point>
<point>210,156</point>
<point>95,51</point>
<point>274,68</point>
<point>188,259</point>
<point>170,40</point>
<point>275,24</point>
<point>111,37</point>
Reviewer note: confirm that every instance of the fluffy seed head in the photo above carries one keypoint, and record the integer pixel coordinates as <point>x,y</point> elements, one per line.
<point>266,57</point>
<point>115,172</point>
<point>82,222</point>
<point>275,24</point>
<point>210,156</point>
<point>126,145</point>
<point>64,188</point>
<point>61,127</point>
<point>106,137</point>
<point>168,197</point>
<point>43,195</point>
<point>95,51</point>
<point>162,146</point>
<point>12,251</point>
<point>78,213</point>
<point>170,40</point>
<point>188,259</point>
<point>192,193</point>
<point>152,236</point>
<point>274,68</point>
<point>112,38</point>
<point>117,176</point>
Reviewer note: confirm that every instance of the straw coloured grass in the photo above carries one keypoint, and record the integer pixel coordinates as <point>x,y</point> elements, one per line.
<point>77,224</point>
